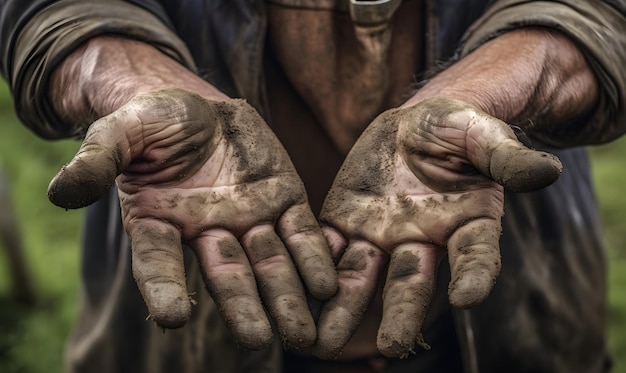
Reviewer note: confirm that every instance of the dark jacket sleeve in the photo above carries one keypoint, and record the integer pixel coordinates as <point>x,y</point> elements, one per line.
<point>599,29</point>
<point>37,35</point>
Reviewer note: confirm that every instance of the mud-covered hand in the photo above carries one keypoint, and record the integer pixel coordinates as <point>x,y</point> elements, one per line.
<point>213,176</point>
<point>421,182</point>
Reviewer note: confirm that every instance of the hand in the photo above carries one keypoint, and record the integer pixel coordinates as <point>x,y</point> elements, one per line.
<point>213,176</point>
<point>421,182</point>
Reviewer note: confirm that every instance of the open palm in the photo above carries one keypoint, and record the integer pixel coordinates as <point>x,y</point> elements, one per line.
<point>419,183</point>
<point>213,176</point>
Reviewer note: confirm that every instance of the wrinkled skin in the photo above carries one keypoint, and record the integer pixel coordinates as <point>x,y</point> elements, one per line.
<point>213,176</point>
<point>420,183</point>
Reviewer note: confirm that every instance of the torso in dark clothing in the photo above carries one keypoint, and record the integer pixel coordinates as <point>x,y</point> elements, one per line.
<point>325,87</point>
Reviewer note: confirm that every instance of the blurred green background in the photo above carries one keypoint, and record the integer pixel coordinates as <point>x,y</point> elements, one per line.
<point>32,337</point>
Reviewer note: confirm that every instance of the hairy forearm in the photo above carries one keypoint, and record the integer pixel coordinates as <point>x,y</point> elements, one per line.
<point>528,77</point>
<point>107,72</point>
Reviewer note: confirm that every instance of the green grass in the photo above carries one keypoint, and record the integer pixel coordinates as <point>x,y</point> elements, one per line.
<point>31,340</point>
<point>610,182</point>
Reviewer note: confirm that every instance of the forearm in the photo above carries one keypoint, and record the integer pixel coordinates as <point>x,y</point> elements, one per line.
<point>107,72</point>
<point>528,77</point>
<point>39,38</point>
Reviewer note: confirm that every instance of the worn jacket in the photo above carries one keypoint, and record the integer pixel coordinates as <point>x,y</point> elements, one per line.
<point>547,310</point>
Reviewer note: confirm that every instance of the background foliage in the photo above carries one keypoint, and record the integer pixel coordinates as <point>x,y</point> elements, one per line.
<point>32,338</point>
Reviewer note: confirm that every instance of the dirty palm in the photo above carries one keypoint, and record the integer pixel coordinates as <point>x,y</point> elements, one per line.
<point>213,176</point>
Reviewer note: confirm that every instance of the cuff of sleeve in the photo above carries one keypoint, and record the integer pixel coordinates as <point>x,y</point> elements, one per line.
<point>598,29</point>
<point>55,32</point>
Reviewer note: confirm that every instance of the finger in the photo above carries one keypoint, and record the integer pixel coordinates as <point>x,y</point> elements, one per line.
<point>408,291</point>
<point>159,270</point>
<point>336,242</point>
<point>495,150</point>
<point>103,155</point>
<point>523,170</point>
<point>474,256</point>
<point>309,250</point>
<point>358,269</point>
<point>231,283</point>
<point>280,286</point>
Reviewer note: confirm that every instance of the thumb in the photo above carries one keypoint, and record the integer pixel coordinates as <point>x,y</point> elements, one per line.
<point>494,149</point>
<point>520,169</point>
<point>103,155</point>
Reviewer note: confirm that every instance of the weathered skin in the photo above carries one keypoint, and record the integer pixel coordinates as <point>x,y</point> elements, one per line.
<point>420,182</point>
<point>408,193</point>
<point>213,176</point>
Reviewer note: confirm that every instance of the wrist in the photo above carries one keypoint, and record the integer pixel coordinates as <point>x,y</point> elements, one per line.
<point>530,75</point>
<point>106,72</point>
